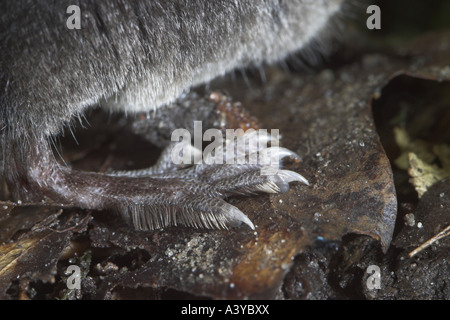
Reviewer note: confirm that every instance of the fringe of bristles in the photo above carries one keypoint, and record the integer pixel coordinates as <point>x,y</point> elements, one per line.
<point>159,216</point>
<point>195,212</point>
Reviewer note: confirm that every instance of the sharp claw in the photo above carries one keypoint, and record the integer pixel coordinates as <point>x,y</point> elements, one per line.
<point>291,176</point>
<point>283,153</point>
<point>249,143</point>
<point>236,216</point>
<point>261,137</point>
<point>276,154</point>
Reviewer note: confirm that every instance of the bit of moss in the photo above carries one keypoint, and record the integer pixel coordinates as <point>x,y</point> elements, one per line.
<point>419,158</point>
<point>424,175</point>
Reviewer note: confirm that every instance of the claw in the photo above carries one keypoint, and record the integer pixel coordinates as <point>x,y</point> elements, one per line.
<point>274,155</point>
<point>236,216</point>
<point>291,176</point>
<point>278,181</point>
<point>249,143</point>
<point>254,141</point>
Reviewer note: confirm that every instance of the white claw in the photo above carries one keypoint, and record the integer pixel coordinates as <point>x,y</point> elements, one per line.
<point>254,137</point>
<point>236,216</point>
<point>290,176</point>
<point>249,143</point>
<point>273,155</point>
<point>283,152</point>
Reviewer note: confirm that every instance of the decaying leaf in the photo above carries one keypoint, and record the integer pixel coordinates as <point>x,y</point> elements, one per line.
<point>33,255</point>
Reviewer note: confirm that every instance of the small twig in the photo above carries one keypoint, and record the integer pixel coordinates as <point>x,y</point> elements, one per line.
<point>444,233</point>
